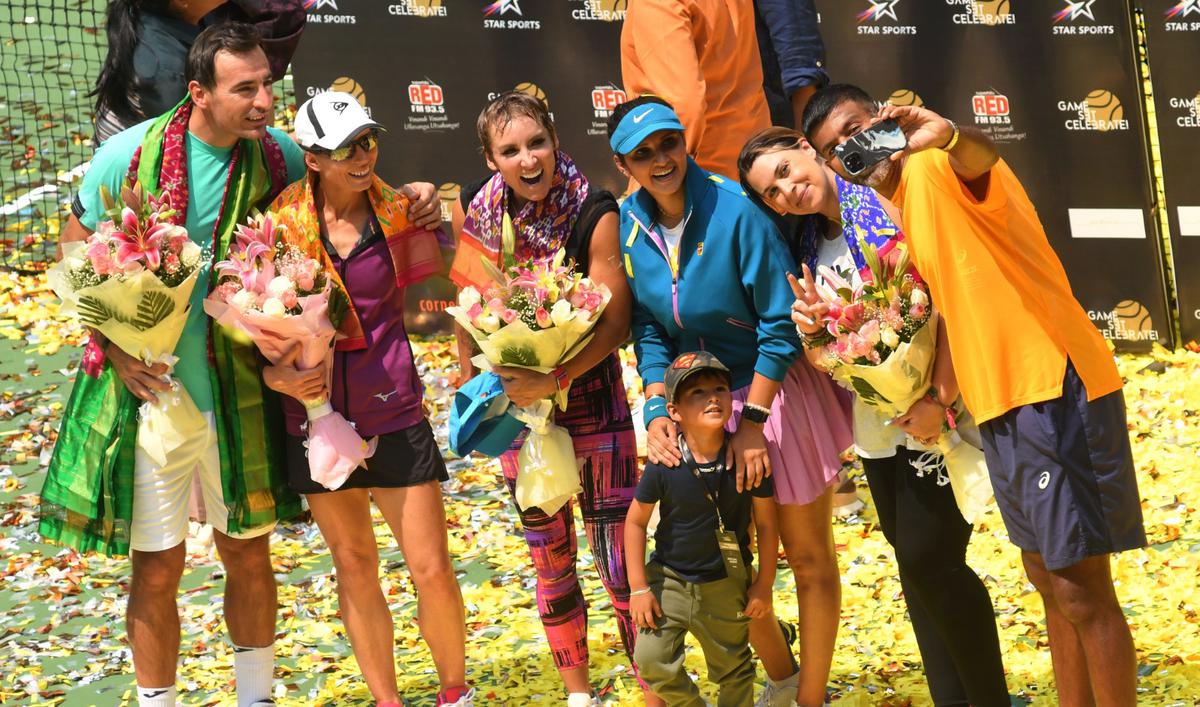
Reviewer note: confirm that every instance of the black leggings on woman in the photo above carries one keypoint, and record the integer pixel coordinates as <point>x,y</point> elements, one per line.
<point>950,608</point>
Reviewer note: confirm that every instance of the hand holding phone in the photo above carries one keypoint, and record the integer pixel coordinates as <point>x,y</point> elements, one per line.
<point>870,147</point>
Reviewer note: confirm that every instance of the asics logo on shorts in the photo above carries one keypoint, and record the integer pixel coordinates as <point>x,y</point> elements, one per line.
<point>1044,480</point>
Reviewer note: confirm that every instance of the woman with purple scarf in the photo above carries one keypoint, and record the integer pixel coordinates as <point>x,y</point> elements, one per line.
<point>543,203</point>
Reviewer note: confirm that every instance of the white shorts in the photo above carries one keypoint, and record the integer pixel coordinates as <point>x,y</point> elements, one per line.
<point>161,494</point>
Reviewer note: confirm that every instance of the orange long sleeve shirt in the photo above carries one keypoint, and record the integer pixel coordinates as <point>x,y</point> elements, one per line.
<point>702,57</point>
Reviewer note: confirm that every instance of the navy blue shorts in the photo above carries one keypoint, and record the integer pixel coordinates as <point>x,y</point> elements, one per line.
<point>1063,475</point>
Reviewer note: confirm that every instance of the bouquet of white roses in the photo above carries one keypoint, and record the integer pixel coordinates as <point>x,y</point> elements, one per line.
<point>537,315</point>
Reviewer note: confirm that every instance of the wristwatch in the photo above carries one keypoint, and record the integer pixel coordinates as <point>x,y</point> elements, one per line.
<point>755,413</point>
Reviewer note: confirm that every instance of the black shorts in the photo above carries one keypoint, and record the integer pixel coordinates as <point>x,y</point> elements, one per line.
<point>1063,475</point>
<point>406,457</point>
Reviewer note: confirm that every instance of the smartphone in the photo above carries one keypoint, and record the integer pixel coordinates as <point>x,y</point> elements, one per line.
<point>871,146</point>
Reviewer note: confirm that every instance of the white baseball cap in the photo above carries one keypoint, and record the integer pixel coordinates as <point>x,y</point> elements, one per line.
<point>329,120</point>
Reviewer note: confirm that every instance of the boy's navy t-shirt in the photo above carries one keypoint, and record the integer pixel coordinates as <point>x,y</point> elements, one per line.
<point>686,539</point>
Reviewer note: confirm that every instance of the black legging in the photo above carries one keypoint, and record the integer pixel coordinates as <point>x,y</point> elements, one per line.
<point>951,611</point>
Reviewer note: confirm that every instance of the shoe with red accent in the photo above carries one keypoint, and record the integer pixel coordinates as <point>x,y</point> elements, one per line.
<point>457,697</point>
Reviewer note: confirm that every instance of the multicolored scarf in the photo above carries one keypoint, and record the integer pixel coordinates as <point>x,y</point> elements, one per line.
<point>415,251</point>
<point>87,501</point>
<point>544,226</point>
<point>863,218</point>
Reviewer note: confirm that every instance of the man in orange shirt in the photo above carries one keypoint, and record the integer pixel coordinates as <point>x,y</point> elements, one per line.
<point>1032,369</point>
<point>702,57</point>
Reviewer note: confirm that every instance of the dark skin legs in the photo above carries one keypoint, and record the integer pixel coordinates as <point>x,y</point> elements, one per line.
<point>1090,643</point>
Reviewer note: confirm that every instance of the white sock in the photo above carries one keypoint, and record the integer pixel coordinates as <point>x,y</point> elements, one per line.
<point>156,696</point>
<point>790,681</point>
<point>254,671</point>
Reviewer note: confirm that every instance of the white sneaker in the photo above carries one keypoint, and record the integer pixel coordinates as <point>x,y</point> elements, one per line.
<point>467,700</point>
<point>582,699</point>
<point>781,693</point>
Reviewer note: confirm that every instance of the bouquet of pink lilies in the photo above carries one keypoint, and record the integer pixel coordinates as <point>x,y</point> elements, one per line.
<point>280,298</point>
<point>131,280</point>
<point>537,315</point>
<point>881,341</point>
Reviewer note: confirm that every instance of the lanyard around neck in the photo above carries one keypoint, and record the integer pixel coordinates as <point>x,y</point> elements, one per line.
<point>690,460</point>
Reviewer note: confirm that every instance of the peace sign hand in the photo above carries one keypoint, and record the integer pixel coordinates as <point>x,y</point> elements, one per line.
<point>809,308</point>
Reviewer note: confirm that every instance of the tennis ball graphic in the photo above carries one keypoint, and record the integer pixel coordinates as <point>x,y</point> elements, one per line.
<point>1104,109</point>
<point>532,89</point>
<point>349,85</point>
<point>992,12</point>
<point>608,6</point>
<point>905,97</point>
<point>425,3</point>
<point>1130,316</point>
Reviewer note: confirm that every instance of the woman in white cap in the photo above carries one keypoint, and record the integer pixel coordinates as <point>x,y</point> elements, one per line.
<point>344,215</point>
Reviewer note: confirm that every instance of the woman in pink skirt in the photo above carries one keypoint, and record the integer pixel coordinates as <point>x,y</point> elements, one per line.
<point>707,271</point>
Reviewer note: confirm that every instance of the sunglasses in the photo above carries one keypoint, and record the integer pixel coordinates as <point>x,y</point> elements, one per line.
<point>367,143</point>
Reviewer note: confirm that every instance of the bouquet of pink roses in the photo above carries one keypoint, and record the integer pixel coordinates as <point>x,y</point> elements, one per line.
<point>880,340</point>
<point>131,280</point>
<point>537,315</point>
<point>280,298</point>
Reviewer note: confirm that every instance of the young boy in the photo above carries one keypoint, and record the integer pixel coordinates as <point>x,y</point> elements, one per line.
<point>699,578</point>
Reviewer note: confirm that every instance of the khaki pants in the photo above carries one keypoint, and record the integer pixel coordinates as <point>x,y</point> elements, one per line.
<point>709,611</point>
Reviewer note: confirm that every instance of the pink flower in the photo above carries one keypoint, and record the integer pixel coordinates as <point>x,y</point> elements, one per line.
<point>870,332</point>
<point>474,311</point>
<point>100,256</point>
<point>509,315</point>
<point>171,263</point>
<point>289,299</point>
<point>917,311</point>
<point>227,289</point>
<point>137,241</point>
<point>543,318</point>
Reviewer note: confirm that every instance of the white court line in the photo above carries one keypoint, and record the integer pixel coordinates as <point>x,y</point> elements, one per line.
<point>43,191</point>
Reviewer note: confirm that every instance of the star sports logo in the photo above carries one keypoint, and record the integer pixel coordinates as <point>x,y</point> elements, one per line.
<point>879,9</point>
<point>1075,10</point>
<point>502,7</point>
<point>1184,8</point>
<point>318,4</point>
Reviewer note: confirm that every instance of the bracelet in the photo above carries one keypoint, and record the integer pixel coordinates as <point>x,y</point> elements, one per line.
<point>561,379</point>
<point>639,592</point>
<point>755,413</point>
<point>953,137</point>
<point>813,341</point>
<point>951,416</point>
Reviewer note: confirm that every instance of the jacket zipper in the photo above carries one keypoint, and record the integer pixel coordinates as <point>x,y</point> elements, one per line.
<point>665,252</point>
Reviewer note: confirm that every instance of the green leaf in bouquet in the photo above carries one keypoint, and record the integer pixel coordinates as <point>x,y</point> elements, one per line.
<point>866,391</point>
<point>902,262</point>
<point>154,307</point>
<point>518,356</point>
<point>94,312</point>
<point>492,271</point>
<point>846,293</point>
<point>107,203</point>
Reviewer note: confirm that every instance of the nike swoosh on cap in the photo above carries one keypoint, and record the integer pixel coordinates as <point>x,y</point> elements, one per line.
<point>638,118</point>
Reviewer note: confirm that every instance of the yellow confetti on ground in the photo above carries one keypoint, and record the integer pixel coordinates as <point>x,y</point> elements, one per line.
<point>62,639</point>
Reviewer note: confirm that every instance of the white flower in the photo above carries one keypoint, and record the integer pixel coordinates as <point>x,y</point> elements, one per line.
<point>561,312</point>
<point>279,285</point>
<point>189,255</point>
<point>243,300</point>
<point>889,337</point>
<point>489,323</point>
<point>469,296</point>
<point>274,308</point>
<point>918,296</point>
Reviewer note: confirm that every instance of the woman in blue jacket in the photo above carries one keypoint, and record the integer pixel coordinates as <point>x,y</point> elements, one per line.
<point>706,268</point>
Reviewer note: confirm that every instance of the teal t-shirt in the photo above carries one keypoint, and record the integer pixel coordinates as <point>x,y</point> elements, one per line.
<point>208,168</point>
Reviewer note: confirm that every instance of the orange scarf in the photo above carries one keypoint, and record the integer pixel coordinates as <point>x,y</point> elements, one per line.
<point>415,251</point>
